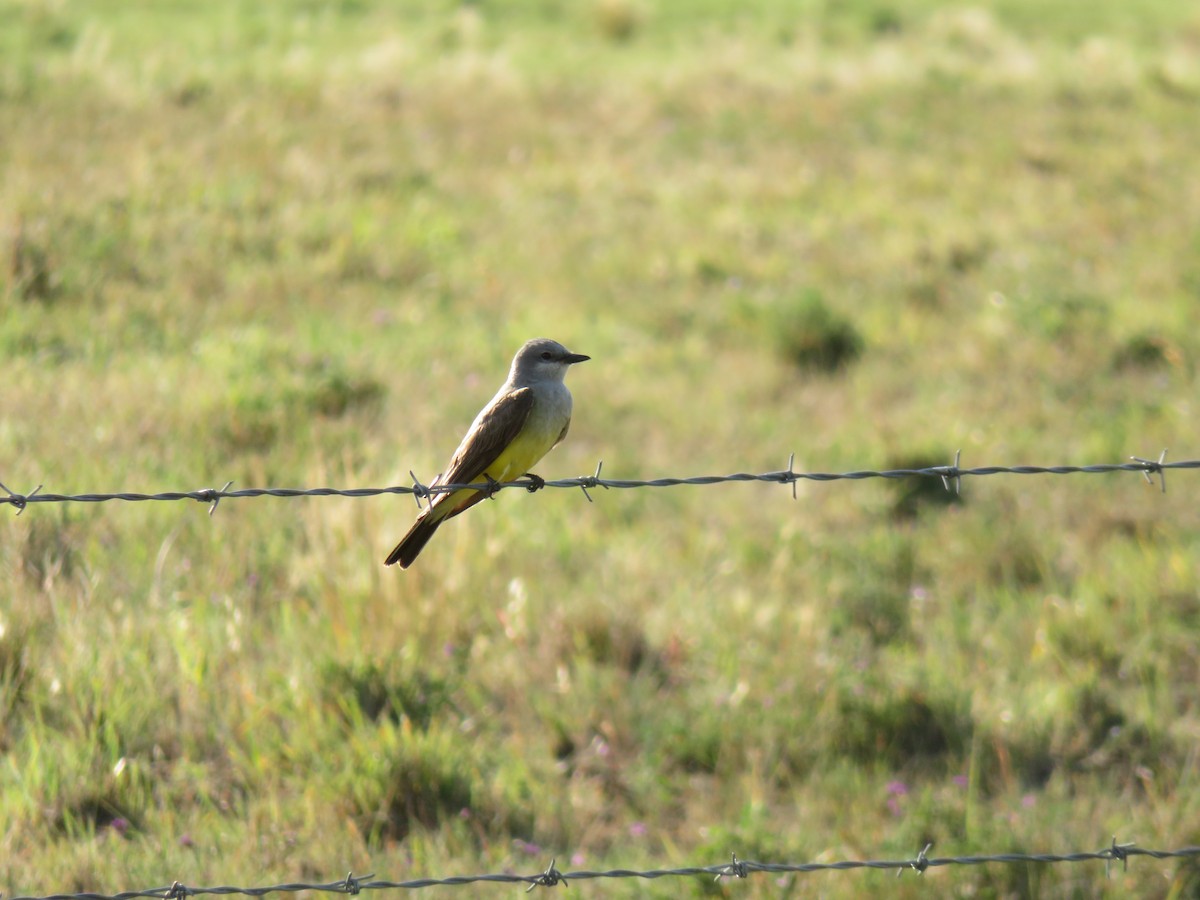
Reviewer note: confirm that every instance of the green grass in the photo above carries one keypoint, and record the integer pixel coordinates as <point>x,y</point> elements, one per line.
<point>296,244</point>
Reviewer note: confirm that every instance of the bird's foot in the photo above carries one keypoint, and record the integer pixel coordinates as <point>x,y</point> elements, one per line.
<point>536,482</point>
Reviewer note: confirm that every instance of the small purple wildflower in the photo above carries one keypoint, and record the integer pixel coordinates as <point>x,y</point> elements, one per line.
<point>528,847</point>
<point>896,790</point>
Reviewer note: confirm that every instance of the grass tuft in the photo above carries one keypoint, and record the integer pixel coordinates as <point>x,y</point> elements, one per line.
<point>374,691</point>
<point>1147,352</point>
<point>812,336</point>
<point>51,551</point>
<point>617,20</point>
<point>16,678</point>
<point>903,731</point>
<point>428,780</point>
<point>31,276</point>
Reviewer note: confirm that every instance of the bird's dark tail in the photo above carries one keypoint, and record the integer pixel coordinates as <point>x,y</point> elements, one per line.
<point>413,542</point>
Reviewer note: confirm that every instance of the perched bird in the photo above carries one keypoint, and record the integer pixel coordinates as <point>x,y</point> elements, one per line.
<point>528,416</point>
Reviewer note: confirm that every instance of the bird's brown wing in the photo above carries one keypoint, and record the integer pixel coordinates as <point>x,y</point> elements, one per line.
<point>487,440</point>
<point>497,427</point>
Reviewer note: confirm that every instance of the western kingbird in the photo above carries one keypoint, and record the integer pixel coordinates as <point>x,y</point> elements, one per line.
<point>528,416</point>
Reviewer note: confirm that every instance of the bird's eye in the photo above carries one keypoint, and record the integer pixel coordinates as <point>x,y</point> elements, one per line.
<point>547,355</point>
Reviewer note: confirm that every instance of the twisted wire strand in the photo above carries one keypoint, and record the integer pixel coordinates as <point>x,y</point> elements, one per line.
<point>736,868</point>
<point>951,474</point>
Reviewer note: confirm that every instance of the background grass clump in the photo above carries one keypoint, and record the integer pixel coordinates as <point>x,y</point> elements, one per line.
<point>296,244</point>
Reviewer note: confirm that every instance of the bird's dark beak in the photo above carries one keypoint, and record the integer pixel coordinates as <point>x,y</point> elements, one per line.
<point>571,358</point>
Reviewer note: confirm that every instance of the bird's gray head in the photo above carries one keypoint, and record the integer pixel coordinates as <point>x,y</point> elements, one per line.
<point>542,360</point>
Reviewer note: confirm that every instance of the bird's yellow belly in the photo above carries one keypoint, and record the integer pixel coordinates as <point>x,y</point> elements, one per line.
<point>534,442</point>
<point>522,454</point>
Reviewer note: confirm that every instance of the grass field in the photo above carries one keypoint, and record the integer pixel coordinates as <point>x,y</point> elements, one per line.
<point>296,244</point>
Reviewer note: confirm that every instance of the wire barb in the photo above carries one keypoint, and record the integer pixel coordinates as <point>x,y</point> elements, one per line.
<point>20,501</point>
<point>493,487</point>
<point>587,481</point>
<point>1116,851</point>
<point>1156,466</point>
<point>920,864</point>
<point>419,491</point>
<point>549,878</point>
<point>952,472</point>
<point>208,495</point>
<point>736,868</point>
<point>352,885</point>
<point>176,891</point>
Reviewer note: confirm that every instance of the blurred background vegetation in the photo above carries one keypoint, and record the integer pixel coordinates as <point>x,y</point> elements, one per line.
<point>297,243</point>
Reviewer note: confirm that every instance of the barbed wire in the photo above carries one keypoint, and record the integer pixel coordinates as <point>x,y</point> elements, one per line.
<point>736,868</point>
<point>950,475</point>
